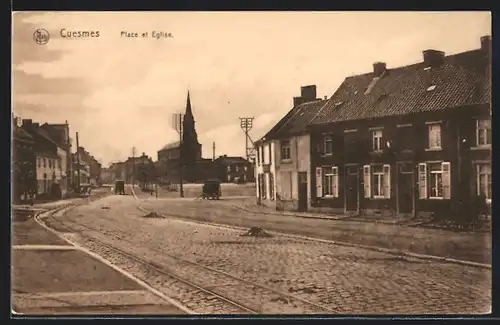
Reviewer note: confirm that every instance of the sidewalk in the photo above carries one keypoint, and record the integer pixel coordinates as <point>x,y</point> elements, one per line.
<point>52,277</point>
<point>253,208</point>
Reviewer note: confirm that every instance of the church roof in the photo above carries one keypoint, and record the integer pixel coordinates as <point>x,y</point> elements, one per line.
<point>171,145</point>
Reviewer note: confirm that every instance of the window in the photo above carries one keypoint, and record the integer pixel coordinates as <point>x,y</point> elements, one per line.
<point>237,169</point>
<point>483,175</point>
<point>328,144</point>
<point>435,136</point>
<point>246,168</point>
<point>327,182</point>
<point>228,178</point>
<point>434,180</point>
<point>228,168</point>
<point>59,164</point>
<point>44,162</point>
<point>377,140</point>
<point>483,132</point>
<point>39,162</point>
<point>271,186</point>
<point>285,150</point>
<point>264,185</point>
<point>50,163</point>
<point>377,181</point>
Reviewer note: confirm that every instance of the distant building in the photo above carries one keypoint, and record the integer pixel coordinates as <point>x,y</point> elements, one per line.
<point>49,158</point>
<point>107,176</point>
<point>232,169</point>
<point>195,168</point>
<point>59,133</point>
<point>82,168</point>
<point>94,165</point>
<point>23,164</point>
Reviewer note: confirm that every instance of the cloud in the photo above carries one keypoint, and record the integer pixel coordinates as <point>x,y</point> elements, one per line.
<point>119,93</point>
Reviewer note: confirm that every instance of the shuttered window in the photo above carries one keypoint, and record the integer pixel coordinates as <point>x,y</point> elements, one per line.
<point>387,181</point>
<point>335,181</point>
<point>434,180</point>
<point>319,182</point>
<point>367,181</point>
<point>422,180</point>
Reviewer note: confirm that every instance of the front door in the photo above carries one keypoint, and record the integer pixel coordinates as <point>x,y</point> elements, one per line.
<point>351,195</point>
<point>302,181</point>
<point>405,188</point>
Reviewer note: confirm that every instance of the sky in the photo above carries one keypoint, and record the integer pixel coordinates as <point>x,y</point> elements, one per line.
<point>120,92</point>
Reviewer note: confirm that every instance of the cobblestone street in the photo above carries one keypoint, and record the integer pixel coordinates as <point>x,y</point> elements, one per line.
<point>340,279</point>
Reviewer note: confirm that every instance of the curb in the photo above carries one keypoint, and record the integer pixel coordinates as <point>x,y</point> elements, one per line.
<point>116,268</point>
<point>346,244</point>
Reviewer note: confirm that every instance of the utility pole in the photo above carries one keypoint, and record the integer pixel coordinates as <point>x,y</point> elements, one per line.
<point>246,124</point>
<point>213,152</point>
<point>77,164</point>
<point>177,121</point>
<point>133,167</point>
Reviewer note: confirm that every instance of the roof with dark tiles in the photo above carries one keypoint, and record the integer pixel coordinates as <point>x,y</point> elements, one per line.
<point>462,79</point>
<point>296,120</point>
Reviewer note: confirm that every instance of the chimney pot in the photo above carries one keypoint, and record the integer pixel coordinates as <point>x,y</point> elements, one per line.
<point>326,97</point>
<point>433,58</point>
<point>379,68</point>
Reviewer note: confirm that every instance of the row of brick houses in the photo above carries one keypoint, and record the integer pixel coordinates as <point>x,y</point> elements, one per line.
<point>400,141</point>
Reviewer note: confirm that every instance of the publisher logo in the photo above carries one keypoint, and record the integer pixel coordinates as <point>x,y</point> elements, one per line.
<point>41,36</point>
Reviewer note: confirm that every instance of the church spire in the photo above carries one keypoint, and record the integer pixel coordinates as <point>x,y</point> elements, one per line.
<point>189,112</point>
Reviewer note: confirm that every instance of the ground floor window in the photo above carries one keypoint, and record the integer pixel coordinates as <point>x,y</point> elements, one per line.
<point>271,186</point>
<point>483,179</point>
<point>263,183</point>
<point>434,180</point>
<point>377,181</point>
<point>327,181</point>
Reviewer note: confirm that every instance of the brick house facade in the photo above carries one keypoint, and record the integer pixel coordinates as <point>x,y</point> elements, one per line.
<point>405,141</point>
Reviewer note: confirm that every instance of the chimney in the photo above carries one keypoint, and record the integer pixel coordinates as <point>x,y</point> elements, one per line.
<point>433,58</point>
<point>297,101</point>
<point>27,122</point>
<point>486,43</point>
<point>308,93</point>
<point>379,68</point>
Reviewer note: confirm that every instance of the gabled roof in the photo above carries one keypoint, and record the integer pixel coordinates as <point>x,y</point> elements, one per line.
<point>298,119</point>
<point>462,79</point>
<point>20,134</point>
<point>295,121</point>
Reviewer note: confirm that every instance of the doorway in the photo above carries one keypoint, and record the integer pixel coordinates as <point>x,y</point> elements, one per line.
<point>352,188</point>
<point>302,181</point>
<point>406,191</point>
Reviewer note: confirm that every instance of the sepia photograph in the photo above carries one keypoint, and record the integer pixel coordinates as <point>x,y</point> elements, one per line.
<point>251,163</point>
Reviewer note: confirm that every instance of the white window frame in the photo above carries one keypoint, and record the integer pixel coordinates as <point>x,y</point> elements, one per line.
<point>431,145</point>
<point>424,181</point>
<point>327,144</point>
<point>484,130</point>
<point>327,174</point>
<point>367,181</point>
<point>487,178</point>
<point>286,150</point>
<point>324,188</point>
<point>377,140</point>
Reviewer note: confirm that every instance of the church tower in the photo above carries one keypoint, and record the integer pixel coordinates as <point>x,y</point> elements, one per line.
<point>191,148</point>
